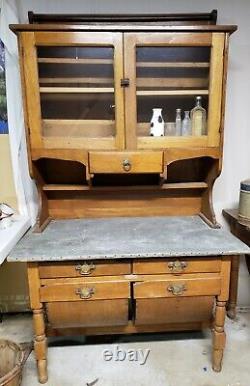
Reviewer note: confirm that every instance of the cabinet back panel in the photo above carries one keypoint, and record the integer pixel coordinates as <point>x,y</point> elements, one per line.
<point>111,204</point>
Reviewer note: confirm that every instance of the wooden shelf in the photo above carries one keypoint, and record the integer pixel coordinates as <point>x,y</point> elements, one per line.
<point>78,90</point>
<point>174,64</point>
<point>140,82</point>
<point>53,187</point>
<point>171,92</point>
<point>185,185</point>
<point>166,186</point>
<point>138,64</point>
<point>176,83</point>
<point>86,128</point>
<point>75,61</point>
<point>73,80</point>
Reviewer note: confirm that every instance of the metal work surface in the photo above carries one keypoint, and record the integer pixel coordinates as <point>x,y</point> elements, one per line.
<point>126,237</point>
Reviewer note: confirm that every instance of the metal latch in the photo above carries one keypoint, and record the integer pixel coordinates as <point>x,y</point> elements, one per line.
<point>125,82</point>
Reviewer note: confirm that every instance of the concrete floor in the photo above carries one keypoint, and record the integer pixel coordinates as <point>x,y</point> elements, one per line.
<point>180,359</point>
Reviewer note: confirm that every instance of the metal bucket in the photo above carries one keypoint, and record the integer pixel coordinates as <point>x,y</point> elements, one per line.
<point>12,359</point>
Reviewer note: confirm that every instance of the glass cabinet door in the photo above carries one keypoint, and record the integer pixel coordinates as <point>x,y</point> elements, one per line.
<point>175,84</point>
<point>78,75</point>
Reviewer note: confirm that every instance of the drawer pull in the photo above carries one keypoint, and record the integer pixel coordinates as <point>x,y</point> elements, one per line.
<point>85,293</point>
<point>177,289</point>
<point>85,269</point>
<point>177,266</point>
<point>126,164</point>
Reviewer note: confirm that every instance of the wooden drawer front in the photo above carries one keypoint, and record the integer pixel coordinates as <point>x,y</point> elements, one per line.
<point>171,286</point>
<point>88,314</point>
<point>126,162</point>
<point>174,310</point>
<point>85,291</point>
<point>177,266</point>
<point>84,269</point>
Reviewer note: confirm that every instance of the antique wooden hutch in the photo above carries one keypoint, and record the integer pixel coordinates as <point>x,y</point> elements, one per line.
<point>89,87</point>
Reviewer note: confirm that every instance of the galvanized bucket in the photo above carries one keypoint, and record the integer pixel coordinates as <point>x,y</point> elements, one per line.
<point>12,359</point>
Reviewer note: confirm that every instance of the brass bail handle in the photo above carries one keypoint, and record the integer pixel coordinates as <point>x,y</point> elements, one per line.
<point>126,164</point>
<point>177,266</point>
<point>177,289</point>
<point>85,293</point>
<point>85,268</point>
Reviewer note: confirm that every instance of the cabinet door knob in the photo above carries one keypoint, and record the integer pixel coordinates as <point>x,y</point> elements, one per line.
<point>177,289</point>
<point>126,164</point>
<point>85,293</point>
<point>85,269</point>
<point>177,266</point>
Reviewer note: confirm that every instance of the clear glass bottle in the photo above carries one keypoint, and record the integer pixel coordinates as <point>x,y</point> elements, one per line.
<point>178,122</point>
<point>198,118</point>
<point>186,127</point>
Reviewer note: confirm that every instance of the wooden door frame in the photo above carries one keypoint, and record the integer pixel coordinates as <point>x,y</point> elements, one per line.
<point>213,40</point>
<point>29,41</point>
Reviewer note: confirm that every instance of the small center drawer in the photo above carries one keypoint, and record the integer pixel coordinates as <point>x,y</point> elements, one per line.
<point>83,269</point>
<point>56,290</point>
<point>177,265</point>
<point>126,162</point>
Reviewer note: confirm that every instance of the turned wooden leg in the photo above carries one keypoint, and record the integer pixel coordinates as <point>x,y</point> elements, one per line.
<point>233,290</point>
<point>40,345</point>
<point>219,336</point>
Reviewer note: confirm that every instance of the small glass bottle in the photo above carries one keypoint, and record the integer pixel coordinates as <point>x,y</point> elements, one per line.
<point>198,118</point>
<point>178,122</point>
<point>186,125</point>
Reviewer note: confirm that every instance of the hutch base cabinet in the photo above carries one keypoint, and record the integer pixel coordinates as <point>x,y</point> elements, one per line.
<point>126,238</point>
<point>128,275</point>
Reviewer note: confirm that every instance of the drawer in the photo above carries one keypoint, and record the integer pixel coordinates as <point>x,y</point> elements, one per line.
<point>176,286</point>
<point>88,314</point>
<point>126,162</point>
<point>174,310</point>
<point>177,266</point>
<point>85,289</point>
<point>84,268</point>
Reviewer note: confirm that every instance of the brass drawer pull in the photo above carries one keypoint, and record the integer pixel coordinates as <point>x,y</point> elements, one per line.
<point>177,266</point>
<point>177,289</point>
<point>126,164</point>
<point>85,269</point>
<point>85,293</point>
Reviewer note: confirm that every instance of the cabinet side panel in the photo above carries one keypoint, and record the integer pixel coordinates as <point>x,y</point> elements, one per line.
<point>32,88</point>
<point>215,89</point>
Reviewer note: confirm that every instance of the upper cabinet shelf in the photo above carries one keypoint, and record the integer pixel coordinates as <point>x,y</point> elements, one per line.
<point>80,90</point>
<point>171,92</point>
<point>174,64</point>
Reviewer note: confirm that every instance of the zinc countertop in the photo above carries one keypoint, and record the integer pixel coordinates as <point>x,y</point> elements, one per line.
<point>126,237</point>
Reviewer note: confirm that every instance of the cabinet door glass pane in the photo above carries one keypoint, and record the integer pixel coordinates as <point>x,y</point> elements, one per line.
<point>77,91</point>
<point>170,78</point>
